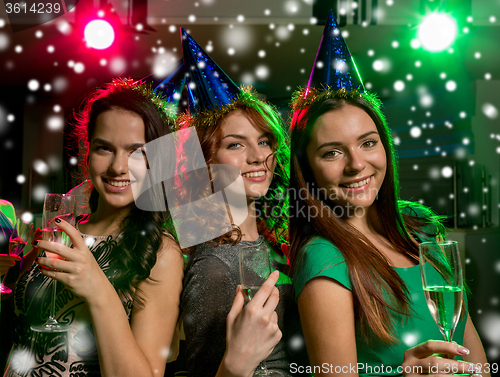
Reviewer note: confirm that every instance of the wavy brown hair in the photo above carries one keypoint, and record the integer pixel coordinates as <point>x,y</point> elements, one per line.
<point>272,208</point>
<point>141,232</point>
<point>369,270</point>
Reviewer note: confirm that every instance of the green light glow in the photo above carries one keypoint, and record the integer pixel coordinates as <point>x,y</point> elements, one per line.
<point>437,32</point>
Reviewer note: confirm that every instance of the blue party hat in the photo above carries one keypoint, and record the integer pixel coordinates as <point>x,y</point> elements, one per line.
<point>208,86</point>
<point>334,68</point>
<point>171,87</point>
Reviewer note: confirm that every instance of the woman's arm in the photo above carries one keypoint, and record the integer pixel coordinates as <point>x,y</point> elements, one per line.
<point>327,316</point>
<point>141,348</point>
<point>7,261</point>
<point>473,343</point>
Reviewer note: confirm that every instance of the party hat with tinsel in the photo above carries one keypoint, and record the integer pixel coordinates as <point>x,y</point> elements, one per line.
<point>208,86</point>
<point>171,87</point>
<point>333,70</point>
<point>334,67</point>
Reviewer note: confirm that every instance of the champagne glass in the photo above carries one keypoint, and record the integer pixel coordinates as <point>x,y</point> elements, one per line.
<point>442,280</point>
<point>18,240</point>
<point>255,268</point>
<point>60,206</point>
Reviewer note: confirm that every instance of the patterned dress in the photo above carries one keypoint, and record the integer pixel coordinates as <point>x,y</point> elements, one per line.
<point>62,354</point>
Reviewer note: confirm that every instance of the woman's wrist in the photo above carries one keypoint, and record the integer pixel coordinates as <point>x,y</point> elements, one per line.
<point>103,295</point>
<point>231,367</point>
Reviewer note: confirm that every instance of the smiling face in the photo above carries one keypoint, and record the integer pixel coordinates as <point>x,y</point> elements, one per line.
<point>119,134</point>
<point>247,147</point>
<point>347,157</point>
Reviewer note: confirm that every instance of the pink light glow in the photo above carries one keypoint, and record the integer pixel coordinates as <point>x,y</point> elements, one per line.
<point>99,34</point>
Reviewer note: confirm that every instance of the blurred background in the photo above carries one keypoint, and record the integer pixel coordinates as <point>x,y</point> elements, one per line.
<point>434,63</point>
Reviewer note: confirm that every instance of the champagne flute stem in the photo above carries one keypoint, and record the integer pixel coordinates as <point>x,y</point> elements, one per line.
<point>263,369</point>
<point>448,335</point>
<point>53,310</point>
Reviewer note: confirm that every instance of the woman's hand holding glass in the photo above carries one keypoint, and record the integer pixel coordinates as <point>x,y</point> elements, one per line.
<point>252,331</point>
<point>9,260</point>
<point>75,267</point>
<point>18,239</point>
<point>427,358</point>
<point>442,281</point>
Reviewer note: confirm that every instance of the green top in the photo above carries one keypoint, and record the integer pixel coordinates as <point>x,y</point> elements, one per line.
<point>321,258</point>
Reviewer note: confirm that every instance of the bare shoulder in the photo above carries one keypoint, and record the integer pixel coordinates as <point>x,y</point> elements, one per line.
<point>169,259</point>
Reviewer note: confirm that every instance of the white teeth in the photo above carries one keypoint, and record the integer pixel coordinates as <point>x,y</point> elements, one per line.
<point>119,183</point>
<point>357,184</point>
<point>255,174</point>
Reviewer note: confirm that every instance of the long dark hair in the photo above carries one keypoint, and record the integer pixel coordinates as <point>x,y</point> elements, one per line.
<point>272,207</point>
<point>370,272</point>
<point>141,232</point>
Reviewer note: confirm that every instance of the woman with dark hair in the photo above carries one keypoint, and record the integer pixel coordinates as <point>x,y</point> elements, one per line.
<point>354,244</point>
<point>234,129</point>
<point>122,278</point>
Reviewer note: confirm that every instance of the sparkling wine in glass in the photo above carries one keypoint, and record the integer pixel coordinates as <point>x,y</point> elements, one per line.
<point>249,292</point>
<point>55,235</point>
<point>60,206</point>
<point>442,280</point>
<point>255,268</point>
<point>17,242</point>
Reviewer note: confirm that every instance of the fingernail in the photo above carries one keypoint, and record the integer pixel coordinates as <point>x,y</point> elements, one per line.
<point>57,220</point>
<point>238,288</point>
<point>276,273</point>
<point>463,351</point>
<point>34,243</point>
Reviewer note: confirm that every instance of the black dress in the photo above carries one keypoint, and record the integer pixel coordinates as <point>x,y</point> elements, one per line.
<point>210,282</point>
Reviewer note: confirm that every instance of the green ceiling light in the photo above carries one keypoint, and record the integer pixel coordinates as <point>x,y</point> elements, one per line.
<point>437,32</point>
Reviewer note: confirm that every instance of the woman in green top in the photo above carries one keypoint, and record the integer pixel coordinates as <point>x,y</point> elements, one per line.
<point>354,244</point>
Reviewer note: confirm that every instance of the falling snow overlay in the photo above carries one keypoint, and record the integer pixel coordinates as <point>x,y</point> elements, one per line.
<point>442,101</point>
